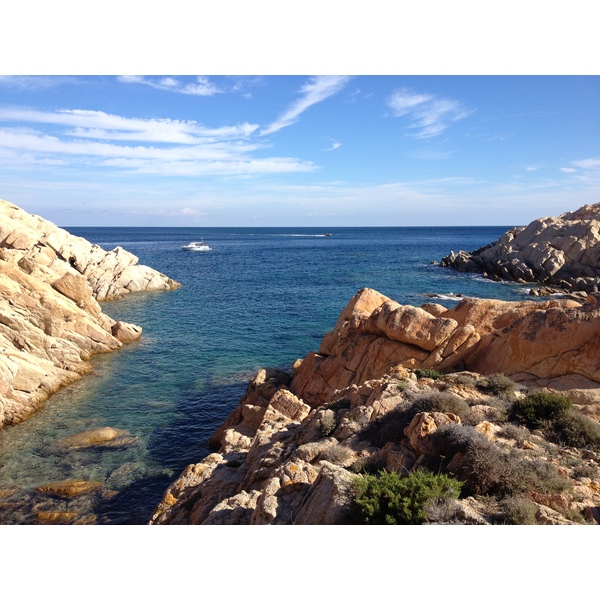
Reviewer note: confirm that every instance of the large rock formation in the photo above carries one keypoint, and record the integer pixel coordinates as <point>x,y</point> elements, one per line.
<point>553,251</point>
<point>50,319</point>
<point>289,453</point>
<point>44,250</point>
<point>555,342</point>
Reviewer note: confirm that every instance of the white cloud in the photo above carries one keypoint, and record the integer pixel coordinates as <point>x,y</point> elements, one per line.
<point>316,90</point>
<point>588,163</point>
<point>431,115</point>
<point>193,212</point>
<point>201,87</point>
<point>101,125</point>
<point>531,168</point>
<point>334,146</point>
<point>567,170</point>
<point>169,147</point>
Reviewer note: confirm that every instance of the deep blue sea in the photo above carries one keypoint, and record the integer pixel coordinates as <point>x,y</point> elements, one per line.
<point>261,297</point>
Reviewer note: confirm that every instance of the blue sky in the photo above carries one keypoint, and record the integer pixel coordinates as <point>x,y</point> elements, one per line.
<point>299,150</point>
<point>442,113</point>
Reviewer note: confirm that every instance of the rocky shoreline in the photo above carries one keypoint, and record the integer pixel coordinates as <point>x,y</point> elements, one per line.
<point>375,400</point>
<point>558,254</point>
<point>51,323</point>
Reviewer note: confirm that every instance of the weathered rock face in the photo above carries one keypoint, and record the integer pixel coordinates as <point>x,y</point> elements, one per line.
<point>555,341</point>
<point>48,252</point>
<point>554,251</point>
<point>50,319</point>
<point>288,454</point>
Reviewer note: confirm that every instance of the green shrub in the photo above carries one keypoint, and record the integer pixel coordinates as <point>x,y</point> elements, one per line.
<point>540,407</point>
<point>427,373</point>
<point>498,383</point>
<point>388,499</point>
<point>574,429</point>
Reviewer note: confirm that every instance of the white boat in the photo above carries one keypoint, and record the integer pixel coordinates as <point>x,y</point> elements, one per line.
<point>200,246</point>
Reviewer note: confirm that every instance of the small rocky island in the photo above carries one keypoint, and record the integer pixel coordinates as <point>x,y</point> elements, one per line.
<point>51,323</point>
<point>556,253</point>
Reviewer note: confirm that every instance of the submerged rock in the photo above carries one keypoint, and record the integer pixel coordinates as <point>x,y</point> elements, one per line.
<point>69,488</point>
<point>106,437</point>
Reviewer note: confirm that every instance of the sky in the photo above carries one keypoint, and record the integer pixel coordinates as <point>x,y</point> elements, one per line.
<point>412,142</point>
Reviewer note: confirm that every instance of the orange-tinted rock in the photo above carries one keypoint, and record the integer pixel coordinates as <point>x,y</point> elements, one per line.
<point>69,487</point>
<point>550,341</point>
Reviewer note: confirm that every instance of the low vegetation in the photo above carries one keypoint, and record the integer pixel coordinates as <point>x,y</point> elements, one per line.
<point>510,443</point>
<point>427,373</point>
<point>541,407</point>
<point>389,499</point>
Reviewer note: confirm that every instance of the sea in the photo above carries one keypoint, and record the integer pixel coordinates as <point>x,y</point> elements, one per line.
<point>262,297</point>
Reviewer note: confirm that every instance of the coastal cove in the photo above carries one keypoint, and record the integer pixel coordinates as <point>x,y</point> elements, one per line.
<point>263,297</point>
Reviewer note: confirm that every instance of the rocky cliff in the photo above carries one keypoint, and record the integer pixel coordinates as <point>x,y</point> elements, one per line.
<point>374,397</point>
<point>563,252</point>
<point>50,319</point>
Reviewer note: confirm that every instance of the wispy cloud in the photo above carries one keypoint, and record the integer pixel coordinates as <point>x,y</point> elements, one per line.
<point>316,90</point>
<point>430,114</point>
<point>161,146</point>
<point>33,82</point>
<point>334,146</point>
<point>202,86</point>
<point>568,170</point>
<point>101,125</point>
<point>587,163</point>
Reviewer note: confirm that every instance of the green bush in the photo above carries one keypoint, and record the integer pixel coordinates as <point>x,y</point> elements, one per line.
<point>540,407</point>
<point>498,383</point>
<point>388,499</point>
<point>574,429</point>
<point>427,373</point>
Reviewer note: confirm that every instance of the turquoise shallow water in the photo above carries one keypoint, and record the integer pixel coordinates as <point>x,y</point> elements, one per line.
<point>261,297</point>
